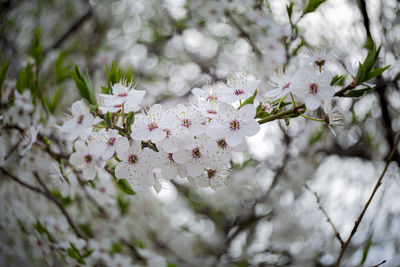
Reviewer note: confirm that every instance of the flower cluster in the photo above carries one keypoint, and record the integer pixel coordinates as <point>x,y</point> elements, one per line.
<point>193,140</point>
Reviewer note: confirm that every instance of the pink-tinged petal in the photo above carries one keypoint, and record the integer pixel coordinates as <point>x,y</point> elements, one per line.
<point>312,102</point>
<point>77,158</point>
<point>194,169</point>
<point>89,172</point>
<point>123,170</point>
<point>157,135</point>
<point>248,111</point>
<point>250,128</point>
<point>233,138</point>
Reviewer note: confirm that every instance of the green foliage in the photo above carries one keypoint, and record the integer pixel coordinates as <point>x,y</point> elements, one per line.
<point>73,252</point>
<point>61,69</point>
<point>312,5</point>
<point>65,201</point>
<point>316,136</point>
<point>365,72</point>
<point>338,80</point>
<point>289,9</point>
<point>249,100</point>
<point>52,103</point>
<point>42,230</point>
<point>123,204</point>
<point>359,92</point>
<point>84,86</point>
<point>130,118</point>
<point>3,71</point>
<point>366,250</point>
<point>86,229</point>
<point>108,119</point>
<point>125,187</point>
<point>36,48</point>
<point>116,75</point>
<point>25,78</point>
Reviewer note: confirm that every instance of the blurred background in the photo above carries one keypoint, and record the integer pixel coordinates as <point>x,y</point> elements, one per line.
<point>265,217</point>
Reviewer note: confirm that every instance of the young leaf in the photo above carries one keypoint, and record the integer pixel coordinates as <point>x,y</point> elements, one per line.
<point>129,120</point>
<point>312,5</point>
<point>376,72</point>
<point>3,71</point>
<point>125,187</point>
<point>289,9</point>
<point>108,119</point>
<point>365,251</point>
<point>84,85</point>
<point>338,80</point>
<point>249,100</point>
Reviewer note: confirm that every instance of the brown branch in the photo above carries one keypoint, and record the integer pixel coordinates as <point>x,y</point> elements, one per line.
<point>360,217</point>
<point>74,27</point>
<point>337,234</point>
<point>50,196</point>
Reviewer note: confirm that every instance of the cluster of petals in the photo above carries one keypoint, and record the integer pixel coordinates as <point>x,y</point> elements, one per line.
<point>193,140</point>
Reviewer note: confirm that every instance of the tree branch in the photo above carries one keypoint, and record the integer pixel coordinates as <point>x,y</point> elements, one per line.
<point>337,234</point>
<point>360,217</point>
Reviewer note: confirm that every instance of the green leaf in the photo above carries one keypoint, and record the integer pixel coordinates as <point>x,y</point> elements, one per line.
<point>130,118</point>
<point>36,48</point>
<point>289,9</point>
<point>25,78</point>
<point>108,119</point>
<point>125,187</point>
<point>42,230</point>
<point>74,253</point>
<point>123,204</point>
<point>84,85</point>
<point>376,72</point>
<point>249,100</point>
<point>338,80</point>
<point>366,250</point>
<point>361,74</point>
<point>61,70</point>
<point>116,248</point>
<point>316,136</point>
<point>312,5</point>
<point>359,92</point>
<point>86,229</point>
<point>3,71</point>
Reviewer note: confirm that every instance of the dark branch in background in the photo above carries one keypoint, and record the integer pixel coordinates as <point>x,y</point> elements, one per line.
<point>72,29</point>
<point>381,89</point>
<point>48,195</point>
<point>337,234</point>
<point>360,217</point>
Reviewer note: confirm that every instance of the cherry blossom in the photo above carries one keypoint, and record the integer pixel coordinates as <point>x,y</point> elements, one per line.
<point>80,123</point>
<point>85,159</point>
<point>122,95</point>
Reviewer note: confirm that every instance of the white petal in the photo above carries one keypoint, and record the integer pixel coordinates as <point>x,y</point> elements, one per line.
<point>89,172</point>
<point>312,102</point>
<point>233,139</point>
<point>248,111</point>
<point>250,128</point>
<point>194,169</point>
<point>157,135</point>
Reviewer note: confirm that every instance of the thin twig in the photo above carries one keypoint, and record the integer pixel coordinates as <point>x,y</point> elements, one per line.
<point>50,196</point>
<point>337,234</point>
<point>384,261</point>
<point>360,217</point>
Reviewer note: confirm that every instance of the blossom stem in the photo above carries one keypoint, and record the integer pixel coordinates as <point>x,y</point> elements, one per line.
<point>294,111</point>
<point>294,102</point>
<point>313,119</point>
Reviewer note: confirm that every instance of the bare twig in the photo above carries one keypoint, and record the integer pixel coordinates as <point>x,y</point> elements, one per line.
<point>384,261</point>
<point>50,196</point>
<point>360,217</point>
<point>337,234</point>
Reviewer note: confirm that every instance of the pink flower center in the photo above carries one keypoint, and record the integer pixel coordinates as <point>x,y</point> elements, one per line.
<point>80,119</point>
<point>88,158</point>
<point>133,159</point>
<point>186,123</point>
<point>111,141</point>
<point>196,154</point>
<point>211,173</point>
<point>320,62</point>
<point>239,91</point>
<point>234,125</point>
<point>211,98</point>
<point>286,86</point>
<point>152,126</point>
<point>313,88</point>
<point>118,106</point>
<point>222,143</point>
<point>211,111</point>
<point>123,94</point>
<point>168,132</point>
